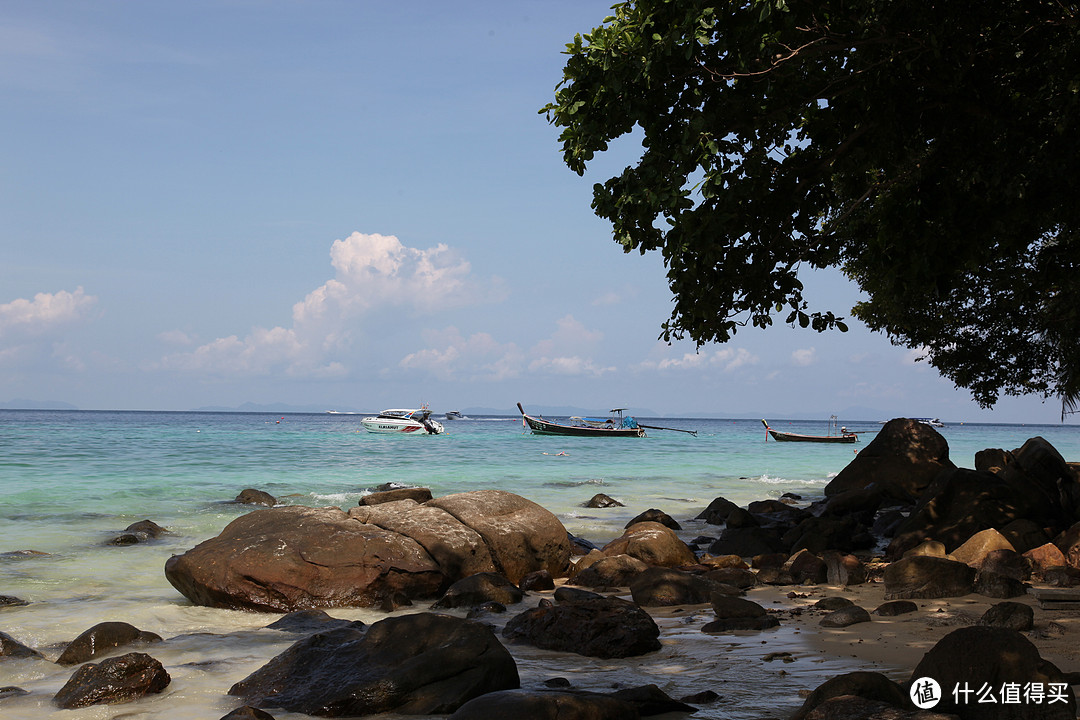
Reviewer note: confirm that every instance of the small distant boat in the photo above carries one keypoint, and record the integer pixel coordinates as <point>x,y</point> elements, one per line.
<point>844,435</point>
<point>615,426</point>
<point>406,422</point>
<point>931,422</point>
<point>455,415</point>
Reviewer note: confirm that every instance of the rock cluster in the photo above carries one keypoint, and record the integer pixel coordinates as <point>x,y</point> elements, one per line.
<point>292,557</point>
<point>902,513</point>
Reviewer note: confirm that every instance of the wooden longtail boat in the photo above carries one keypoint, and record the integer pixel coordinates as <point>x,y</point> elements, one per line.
<point>619,427</point>
<point>845,436</point>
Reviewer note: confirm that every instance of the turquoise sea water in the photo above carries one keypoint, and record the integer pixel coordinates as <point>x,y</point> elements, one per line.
<point>70,481</point>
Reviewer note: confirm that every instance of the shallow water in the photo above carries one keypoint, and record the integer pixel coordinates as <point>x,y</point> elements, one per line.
<point>71,481</point>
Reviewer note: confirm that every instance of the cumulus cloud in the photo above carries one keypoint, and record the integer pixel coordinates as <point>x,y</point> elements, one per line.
<point>804,357</point>
<point>726,359</point>
<point>372,273</point>
<point>45,312</point>
<point>567,351</point>
<point>378,270</point>
<point>456,357</point>
<point>573,365</point>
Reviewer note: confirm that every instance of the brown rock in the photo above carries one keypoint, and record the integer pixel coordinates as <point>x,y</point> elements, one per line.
<point>416,494</point>
<point>610,571</point>
<point>522,536</point>
<point>416,664</point>
<point>927,577</point>
<point>251,496</point>
<point>868,685</point>
<point>606,627</point>
<point>113,680</point>
<point>102,639</point>
<point>653,544</point>
<point>456,548</point>
<point>979,655</point>
<point>979,545</point>
<point>903,459</point>
<point>1045,557</point>
<point>290,558</point>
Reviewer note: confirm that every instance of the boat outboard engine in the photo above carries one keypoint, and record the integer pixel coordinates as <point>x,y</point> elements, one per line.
<point>432,430</point>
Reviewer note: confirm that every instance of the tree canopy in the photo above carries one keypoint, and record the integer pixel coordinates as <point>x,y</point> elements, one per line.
<point>930,150</point>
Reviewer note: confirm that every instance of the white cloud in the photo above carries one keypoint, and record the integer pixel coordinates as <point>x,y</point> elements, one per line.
<point>727,359</point>
<point>45,312</point>
<point>804,357</point>
<point>608,298</point>
<point>570,337</point>
<point>732,359</point>
<point>569,366</point>
<point>378,270</point>
<point>176,337</point>
<point>568,350</point>
<point>372,273</point>
<point>478,357</point>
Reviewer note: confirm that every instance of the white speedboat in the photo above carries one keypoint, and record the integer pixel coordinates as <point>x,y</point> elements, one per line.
<point>407,422</point>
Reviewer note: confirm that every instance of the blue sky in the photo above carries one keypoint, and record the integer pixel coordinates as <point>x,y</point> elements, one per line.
<point>354,205</point>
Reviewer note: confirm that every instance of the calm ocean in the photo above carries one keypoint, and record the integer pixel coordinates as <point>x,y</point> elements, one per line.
<point>71,481</point>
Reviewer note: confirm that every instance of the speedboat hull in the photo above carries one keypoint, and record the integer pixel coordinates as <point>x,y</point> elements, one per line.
<point>403,422</point>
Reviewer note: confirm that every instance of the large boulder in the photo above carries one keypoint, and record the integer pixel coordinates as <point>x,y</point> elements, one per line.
<point>902,460</point>
<point>979,656</point>
<point>653,543</point>
<point>418,664</point>
<point>456,548</point>
<point>291,558</point>
<point>628,704</point>
<point>962,502</point>
<point>922,576</point>
<point>610,571</point>
<point>522,536</point>
<point>662,587</point>
<point>114,680</point>
<point>867,685</point>
<point>295,557</point>
<point>605,627</point>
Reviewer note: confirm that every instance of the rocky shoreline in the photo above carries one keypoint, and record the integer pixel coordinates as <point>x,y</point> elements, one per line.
<point>911,566</point>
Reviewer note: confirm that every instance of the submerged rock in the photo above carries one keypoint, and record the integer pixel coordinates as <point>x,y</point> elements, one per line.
<point>12,648</point>
<point>416,494</point>
<point>310,621</point>
<point>478,589</point>
<point>251,496</point>
<point>138,532</point>
<point>102,639</point>
<point>734,613</point>
<point>114,680</point>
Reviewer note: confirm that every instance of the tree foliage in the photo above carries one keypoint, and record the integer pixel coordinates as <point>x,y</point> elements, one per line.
<point>930,150</point>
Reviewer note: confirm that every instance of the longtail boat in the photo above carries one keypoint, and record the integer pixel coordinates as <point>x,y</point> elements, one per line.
<point>844,436</point>
<point>618,426</point>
